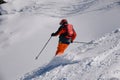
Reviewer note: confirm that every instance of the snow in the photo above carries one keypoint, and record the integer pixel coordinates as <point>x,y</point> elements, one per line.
<point>99,62</point>
<point>26,25</point>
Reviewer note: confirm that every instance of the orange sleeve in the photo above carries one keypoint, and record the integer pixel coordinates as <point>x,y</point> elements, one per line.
<point>60,31</point>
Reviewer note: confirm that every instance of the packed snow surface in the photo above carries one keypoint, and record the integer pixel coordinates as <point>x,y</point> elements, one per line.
<point>96,60</point>
<point>59,8</point>
<point>26,25</point>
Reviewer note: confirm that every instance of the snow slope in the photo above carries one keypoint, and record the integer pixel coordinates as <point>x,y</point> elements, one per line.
<point>26,25</point>
<point>58,8</point>
<point>96,60</point>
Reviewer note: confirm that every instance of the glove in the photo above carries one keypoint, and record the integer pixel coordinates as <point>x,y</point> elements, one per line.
<point>53,34</point>
<point>71,41</point>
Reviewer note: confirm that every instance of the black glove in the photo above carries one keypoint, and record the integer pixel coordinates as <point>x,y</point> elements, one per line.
<point>71,41</point>
<point>53,34</point>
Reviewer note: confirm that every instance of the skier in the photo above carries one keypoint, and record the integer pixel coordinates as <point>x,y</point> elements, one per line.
<point>66,34</point>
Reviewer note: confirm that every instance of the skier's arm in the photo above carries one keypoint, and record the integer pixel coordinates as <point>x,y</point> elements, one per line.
<point>58,32</point>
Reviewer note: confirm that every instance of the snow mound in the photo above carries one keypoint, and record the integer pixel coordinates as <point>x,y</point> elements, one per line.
<point>96,60</point>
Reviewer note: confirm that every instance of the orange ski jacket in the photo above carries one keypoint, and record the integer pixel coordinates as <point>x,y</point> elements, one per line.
<point>66,33</point>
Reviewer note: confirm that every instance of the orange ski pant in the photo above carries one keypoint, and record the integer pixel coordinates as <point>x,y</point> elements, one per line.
<point>61,48</point>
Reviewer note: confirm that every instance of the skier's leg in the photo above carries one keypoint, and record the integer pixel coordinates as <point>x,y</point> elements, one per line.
<point>61,48</point>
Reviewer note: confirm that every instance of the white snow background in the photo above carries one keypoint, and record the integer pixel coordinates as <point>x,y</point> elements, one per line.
<point>25,26</point>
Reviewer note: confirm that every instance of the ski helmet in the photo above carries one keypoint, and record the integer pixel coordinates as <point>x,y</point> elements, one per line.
<point>63,21</point>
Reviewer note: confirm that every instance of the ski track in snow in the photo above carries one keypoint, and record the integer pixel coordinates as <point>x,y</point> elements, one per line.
<point>101,57</point>
<point>62,9</point>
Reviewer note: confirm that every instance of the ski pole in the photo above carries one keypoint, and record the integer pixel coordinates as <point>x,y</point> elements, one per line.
<point>85,42</point>
<point>80,42</point>
<point>43,48</point>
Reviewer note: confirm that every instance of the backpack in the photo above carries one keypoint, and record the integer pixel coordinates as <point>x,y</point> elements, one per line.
<point>70,32</point>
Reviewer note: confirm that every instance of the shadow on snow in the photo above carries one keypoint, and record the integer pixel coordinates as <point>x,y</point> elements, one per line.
<point>54,63</point>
